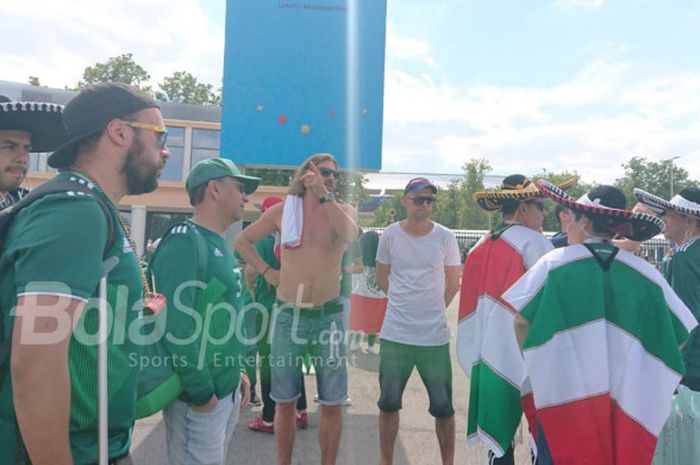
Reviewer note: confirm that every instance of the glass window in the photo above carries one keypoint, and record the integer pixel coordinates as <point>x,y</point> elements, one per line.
<point>206,139</point>
<point>202,154</point>
<point>34,161</point>
<point>176,149</point>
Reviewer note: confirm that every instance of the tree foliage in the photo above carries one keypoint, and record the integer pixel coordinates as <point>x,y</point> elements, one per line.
<point>121,68</point>
<point>654,177</point>
<point>183,87</point>
<point>34,81</point>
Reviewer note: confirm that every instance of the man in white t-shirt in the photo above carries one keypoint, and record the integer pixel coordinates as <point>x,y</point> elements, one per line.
<point>418,266</point>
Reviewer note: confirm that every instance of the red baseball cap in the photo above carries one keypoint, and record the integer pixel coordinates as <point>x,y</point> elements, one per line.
<point>269,202</point>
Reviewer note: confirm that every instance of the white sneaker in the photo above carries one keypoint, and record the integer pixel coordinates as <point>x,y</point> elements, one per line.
<point>371,350</point>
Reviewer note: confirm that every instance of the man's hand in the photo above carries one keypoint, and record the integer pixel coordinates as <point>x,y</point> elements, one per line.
<point>208,407</point>
<point>245,391</point>
<point>272,277</point>
<point>313,181</point>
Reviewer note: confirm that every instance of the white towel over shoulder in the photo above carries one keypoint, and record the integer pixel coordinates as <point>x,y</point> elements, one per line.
<point>292,221</point>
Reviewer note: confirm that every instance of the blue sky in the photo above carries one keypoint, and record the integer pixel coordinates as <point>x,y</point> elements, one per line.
<point>559,84</point>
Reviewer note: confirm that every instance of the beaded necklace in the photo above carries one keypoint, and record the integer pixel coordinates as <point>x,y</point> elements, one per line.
<point>152,301</point>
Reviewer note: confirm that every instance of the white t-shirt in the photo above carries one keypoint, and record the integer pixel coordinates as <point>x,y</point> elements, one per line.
<point>416,310</point>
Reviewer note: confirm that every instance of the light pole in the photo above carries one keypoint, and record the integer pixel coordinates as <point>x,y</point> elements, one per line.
<point>670,160</point>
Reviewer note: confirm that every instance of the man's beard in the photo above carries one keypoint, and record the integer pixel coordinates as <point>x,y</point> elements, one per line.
<point>140,178</point>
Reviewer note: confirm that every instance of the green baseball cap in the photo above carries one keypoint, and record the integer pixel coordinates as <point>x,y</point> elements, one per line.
<point>214,168</point>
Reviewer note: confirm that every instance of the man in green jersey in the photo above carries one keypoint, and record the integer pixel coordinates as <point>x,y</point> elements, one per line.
<point>50,265</point>
<point>205,332</point>
<point>681,215</point>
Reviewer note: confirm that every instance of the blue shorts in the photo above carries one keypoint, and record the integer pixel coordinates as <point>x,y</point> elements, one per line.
<point>320,331</point>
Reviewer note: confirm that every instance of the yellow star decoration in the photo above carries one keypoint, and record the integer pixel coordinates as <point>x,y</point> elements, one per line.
<point>261,107</point>
<point>305,129</point>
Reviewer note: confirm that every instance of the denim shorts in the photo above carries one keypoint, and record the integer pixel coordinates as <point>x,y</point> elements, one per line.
<point>396,362</point>
<point>320,331</point>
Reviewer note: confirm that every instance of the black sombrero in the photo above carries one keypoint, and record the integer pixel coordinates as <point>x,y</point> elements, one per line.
<point>514,187</point>
<point>678,203</point>
<point>40,119</point>
<point>607,203</point>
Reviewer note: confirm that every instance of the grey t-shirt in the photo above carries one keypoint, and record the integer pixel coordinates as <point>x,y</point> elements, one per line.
<point>416,310</point>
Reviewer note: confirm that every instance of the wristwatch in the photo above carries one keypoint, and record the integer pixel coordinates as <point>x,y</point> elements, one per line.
<point>327,197</point>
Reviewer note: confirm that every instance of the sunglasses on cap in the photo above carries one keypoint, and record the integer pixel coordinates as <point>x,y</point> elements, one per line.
<point>420,200</point>
<point>325,172</point>
<point>161,131</point>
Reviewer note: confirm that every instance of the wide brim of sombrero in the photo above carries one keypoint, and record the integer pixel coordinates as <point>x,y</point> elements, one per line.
<point>41,120</point>
<point>677,203</point>
<point>635,226</point>
<point>491,200</point>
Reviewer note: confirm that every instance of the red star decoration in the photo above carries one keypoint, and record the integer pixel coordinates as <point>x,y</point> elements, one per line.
<point>331,113</point>
<point>282,119</point>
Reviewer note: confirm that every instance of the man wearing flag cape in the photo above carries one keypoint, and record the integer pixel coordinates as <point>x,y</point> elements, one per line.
<point>486,345</point>
<point>600,331</point>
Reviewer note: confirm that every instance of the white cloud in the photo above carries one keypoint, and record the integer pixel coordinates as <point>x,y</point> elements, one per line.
<point>408,49</point>
<point>164,36</point>
<point>591,123</point>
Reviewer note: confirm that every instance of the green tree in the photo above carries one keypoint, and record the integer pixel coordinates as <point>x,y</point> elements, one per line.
<point>34,81</point>
<point>654,177</point>
<point>121,68</point>
<point>183,87</point>
<point>471,216</point>
<point>389,211</point>
<point>350,187</point>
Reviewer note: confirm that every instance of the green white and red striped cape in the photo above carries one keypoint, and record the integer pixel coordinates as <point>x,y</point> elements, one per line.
<point>486,344</point>
<point>602,353</point>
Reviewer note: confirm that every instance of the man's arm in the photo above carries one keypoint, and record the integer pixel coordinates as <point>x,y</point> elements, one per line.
<point>382,276</point>
<point>451,283</point>
<point>245,242</point>
<point>43,408</point>
<point>522,327</point>
<point>343,217</point>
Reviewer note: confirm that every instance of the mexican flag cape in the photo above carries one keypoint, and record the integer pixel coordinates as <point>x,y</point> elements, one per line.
<point>602,352</point>
<point>486,346</point>
<point>368,302</point>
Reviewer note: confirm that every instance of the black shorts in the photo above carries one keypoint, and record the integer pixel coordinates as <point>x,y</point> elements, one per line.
<point>396,362</point>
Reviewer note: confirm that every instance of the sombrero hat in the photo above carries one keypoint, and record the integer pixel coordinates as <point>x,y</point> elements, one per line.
<point>679,203</point>
<point>40,119</point>
<point>607,203</point>
<point>514,187</point>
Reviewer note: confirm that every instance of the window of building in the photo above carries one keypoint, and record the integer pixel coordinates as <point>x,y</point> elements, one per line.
<point>176,149</point>
<point>34,161</point>
<point>205,144</point>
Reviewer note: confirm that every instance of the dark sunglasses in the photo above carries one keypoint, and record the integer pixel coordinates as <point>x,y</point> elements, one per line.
<point>161,131</point>
<point>325,172</point>
<point>420,200</point>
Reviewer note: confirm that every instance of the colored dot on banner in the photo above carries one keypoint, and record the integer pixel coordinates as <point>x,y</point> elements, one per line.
<point>282,119</point>
<point>331,113</point>
<point>305,129</point>
<point>261,107</point>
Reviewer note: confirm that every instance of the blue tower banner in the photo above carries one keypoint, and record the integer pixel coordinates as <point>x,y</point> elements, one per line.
<point>301,77</point>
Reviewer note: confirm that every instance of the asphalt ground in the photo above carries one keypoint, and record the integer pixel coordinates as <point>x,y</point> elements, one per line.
<point>416,443</point>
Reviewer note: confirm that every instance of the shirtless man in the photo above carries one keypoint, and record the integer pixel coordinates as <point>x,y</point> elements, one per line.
<point>309,315</point>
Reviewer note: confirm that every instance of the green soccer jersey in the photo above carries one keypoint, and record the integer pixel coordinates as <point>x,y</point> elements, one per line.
<point>203,333</point>
<point>56,246</point>
<point>683,273</point>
